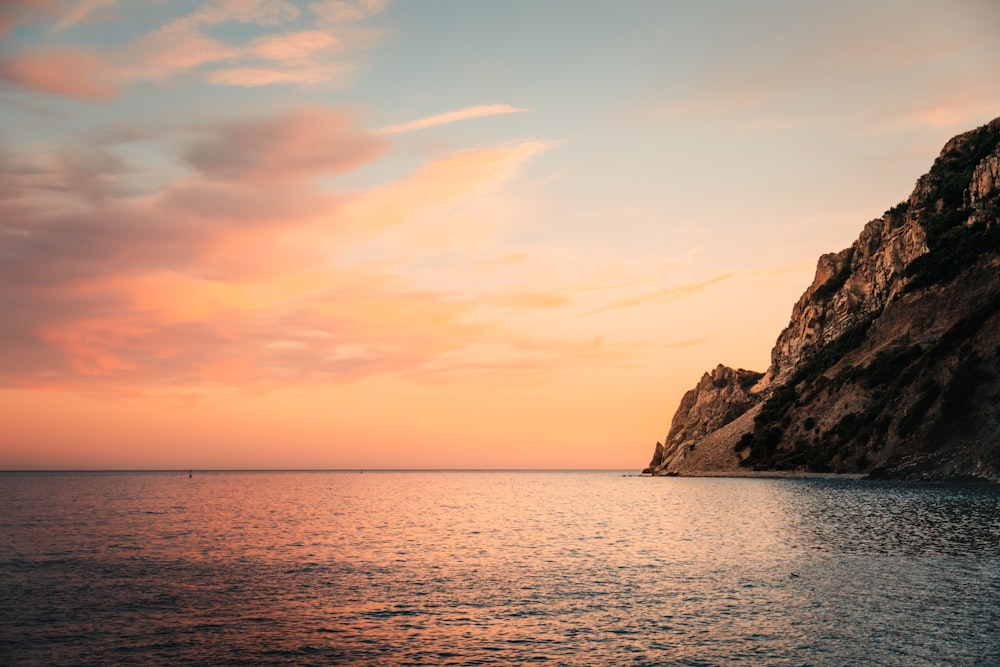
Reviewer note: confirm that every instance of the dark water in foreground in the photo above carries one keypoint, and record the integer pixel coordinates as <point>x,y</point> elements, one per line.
<point>494,568</point>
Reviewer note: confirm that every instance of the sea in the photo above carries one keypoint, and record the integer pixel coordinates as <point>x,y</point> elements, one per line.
<point>494,568</point>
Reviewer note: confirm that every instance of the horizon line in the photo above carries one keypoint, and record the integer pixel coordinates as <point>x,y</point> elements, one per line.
<point>339,470</point>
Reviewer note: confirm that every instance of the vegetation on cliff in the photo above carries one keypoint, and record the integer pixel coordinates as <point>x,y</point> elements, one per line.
<point>890,365</point>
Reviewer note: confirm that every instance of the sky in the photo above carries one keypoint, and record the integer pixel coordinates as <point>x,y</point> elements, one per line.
<point>430,233</point>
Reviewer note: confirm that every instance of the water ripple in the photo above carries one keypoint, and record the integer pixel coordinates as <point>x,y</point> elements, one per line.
<point>494,568</point>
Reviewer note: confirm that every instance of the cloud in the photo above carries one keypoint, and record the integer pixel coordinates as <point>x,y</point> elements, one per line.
<point>664,294</point>
<point>14,12</point>
<point>85,174</point>
<point>467,113</point>
<point>684,344</point>
<point>65,13</point>
<point>79,73</point>
<point>804,65</point>
<point>237,275</point>
<point>174,48</point>
<point>293,47</point>
<point>345,11</point>
<point>301,58</point>
<point>261,12</point>
<point>440,184</point>
<point>303,142</point>
<point>184,46</point>
<point>532,300</point>
<point>945,110</point>
<point>516,360</point>
<point>255,77</point>
<point>79,13</point>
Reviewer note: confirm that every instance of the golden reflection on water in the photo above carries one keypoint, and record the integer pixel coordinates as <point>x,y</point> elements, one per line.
<point>492,567</point>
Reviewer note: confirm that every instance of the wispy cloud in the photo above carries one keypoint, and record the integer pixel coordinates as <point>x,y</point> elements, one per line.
<point>79,13</point>
<point>467,113</point>
<point>261,12</point>
<point>14,12</point>
<point>684,344</point>
<point>80,73</point>
<point>301,58</point>
<point>439,185</point>
<point>236,275</point>
<point>837,67</point>
<point>664,294</point>
<point>346,11</point>
<point>186,45</point>
<point>302,142</point>
<point>534,300</point>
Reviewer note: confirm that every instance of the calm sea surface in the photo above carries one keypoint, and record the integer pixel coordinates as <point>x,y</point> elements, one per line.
<point>433,568</point>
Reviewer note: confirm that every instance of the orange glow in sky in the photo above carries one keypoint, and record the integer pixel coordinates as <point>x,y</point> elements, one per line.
<point>362,233</point>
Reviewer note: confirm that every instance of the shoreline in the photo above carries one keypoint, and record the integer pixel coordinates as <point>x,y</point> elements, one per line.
<point>768,474</point>
<point>797,474</point>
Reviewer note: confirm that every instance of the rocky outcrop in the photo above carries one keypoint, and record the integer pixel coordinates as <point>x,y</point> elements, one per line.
<point>983,189</point>
<point>849,288</point>
<point>890,364</point>
<point>985,180</point>
<point>656,462</point>
<point>719,398</point>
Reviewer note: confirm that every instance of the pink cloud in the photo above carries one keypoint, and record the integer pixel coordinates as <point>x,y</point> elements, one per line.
<point>182,44</point>
<point>230,279</point>
<point>66,13</point>
<point>253,77</point>
<point>13,12</point>
<point>440,184</point>
<point>233,202</point>
<point>304,142</point>
<point>79,73</point>
<point>262,12</point>
<point>467,113</point>
<point>86,174</point>
<point>300,58</point>
<point>174,48</point>
<point>303,57</point>
<point>81,12</point>
<point>346,11</point>
<point>293,46</point>
<point>665,294</point>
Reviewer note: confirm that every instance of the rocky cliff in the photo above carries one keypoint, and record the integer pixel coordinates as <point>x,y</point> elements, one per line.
<point>890,365</point>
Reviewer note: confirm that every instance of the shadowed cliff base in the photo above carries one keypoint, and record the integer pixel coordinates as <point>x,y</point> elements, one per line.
<point>890,365</point>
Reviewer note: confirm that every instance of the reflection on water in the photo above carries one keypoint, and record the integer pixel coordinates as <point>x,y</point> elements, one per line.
<point>494,568</point>
<point>897,518</point>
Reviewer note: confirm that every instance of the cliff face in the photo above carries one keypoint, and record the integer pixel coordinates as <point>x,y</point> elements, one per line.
<point>721,397</point>
<point>850,287</point>
<point>890,364</point>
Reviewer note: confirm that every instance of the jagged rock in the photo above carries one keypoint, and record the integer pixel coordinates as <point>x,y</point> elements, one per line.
<point>719,398</point>
<point>655,462</point>
<point>985,179</point>
<point>850,286</point>
<point>890,364</point>
<point>982,195</point>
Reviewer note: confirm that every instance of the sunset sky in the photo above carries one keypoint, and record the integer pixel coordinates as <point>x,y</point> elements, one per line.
<point>422,234</point>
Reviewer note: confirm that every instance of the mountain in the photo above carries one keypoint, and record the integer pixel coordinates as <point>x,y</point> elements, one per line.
<point>890,365</point>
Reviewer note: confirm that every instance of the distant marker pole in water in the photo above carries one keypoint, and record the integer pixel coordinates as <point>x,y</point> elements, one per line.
<point>190,472</point>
